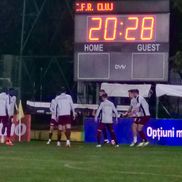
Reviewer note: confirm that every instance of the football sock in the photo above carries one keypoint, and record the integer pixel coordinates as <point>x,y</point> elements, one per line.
<point>59,135</point>
<point>3,129</point>
<point>98,136</point>
<point>9,129</point>
<point>135,139</point>
<point>68,133</point>
<point>142,135</point>
<point>113,136</point>
<point>104,133</point>
<point>50,136</point>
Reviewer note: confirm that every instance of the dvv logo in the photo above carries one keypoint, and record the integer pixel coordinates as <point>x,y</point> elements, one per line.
<point>120,67</point>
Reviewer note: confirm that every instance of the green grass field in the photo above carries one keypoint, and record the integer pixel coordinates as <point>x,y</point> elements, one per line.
<point>37,162</point>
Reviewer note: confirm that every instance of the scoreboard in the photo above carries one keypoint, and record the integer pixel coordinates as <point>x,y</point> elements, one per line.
<point>121,40</point>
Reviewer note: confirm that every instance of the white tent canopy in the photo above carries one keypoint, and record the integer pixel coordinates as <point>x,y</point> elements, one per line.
<point>121,90</point>
<point>169,90</point>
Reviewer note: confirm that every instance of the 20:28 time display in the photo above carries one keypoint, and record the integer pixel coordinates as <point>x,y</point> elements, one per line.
<point>121,28</point>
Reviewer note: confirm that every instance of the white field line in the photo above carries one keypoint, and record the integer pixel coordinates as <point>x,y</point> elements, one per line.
<point>123,172</point>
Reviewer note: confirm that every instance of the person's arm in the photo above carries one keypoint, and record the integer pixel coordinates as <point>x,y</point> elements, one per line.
<point>139,102</point>
<point>72,107</point>
<point>13,107</point>
<point>130,109</point>
<point>128,113</point>
<point>98,111</point>
<point>15,104</point>
<point>7,105</point>
<point>52,109</point>
<point>55,108</point>
<point>116,112</point>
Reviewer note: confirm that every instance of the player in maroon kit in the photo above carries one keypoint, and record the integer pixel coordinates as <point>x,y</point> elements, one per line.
<point>139,110</point>
<point>107,108</point>
<point>4,117</point>
<point>101,93</point>
<point>53,122</point>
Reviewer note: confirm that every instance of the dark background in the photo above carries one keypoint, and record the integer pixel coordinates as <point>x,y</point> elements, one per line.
<point>53,35</point>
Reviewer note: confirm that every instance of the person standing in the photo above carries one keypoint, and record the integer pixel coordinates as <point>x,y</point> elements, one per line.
<point>64,106</point>
<point>101,93</point>
<point>139,110</point>
<point>107,108</point>
<point>53,122</point>
<point>11,113</point>
<point>144,118</point>
<point>133,112</point>
<point>4,118</point>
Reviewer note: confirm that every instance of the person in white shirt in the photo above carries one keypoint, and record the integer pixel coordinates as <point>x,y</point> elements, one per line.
<point>53,122</point>
<point>64,106</point>
<point>4,106</point>
<point>107,108</point>
<point>11,112</point>
<point>133,112</point>
<point>144,118</point>
<point>139,110</point>
<point>106,141</point>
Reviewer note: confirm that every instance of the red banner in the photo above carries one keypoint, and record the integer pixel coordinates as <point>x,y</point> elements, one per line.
<point>20,131</point>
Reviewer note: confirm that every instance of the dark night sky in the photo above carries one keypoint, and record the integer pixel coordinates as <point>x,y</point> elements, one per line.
<point>175,31</point>
<point>52,35</point>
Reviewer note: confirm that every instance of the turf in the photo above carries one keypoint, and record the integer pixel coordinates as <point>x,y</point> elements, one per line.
<point>37,162</point>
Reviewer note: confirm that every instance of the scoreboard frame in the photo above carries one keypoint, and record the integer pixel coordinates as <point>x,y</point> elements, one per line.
<point>124,8</point>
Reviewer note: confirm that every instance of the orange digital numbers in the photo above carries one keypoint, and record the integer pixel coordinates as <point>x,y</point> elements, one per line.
<point>95,29</point>
<point>110,28</point>
<point>131,29</point>
<point>121,28</point>
<point>147,31</point>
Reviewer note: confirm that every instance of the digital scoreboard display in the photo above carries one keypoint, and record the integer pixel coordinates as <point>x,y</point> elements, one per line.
<point>122,40</point>
<point>121,28</point>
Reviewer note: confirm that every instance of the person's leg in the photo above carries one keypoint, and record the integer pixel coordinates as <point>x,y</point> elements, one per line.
<point>112,133</point>
<point>67,122</point>
<point>51,129</point>
<point>99,133</point>
<point>141,133</point>
<point>143,137</point>
<point>3,121</point>
<point>9,123</point>
<point>68,134</point>
<point>51,132</point>
<point>60,129</point>
<point>134,132</point>
<point>104,130</point>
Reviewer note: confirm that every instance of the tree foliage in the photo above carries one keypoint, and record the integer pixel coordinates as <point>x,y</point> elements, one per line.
<point>176,41</point>
<point>177,63</point>
<point>177,4</point>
